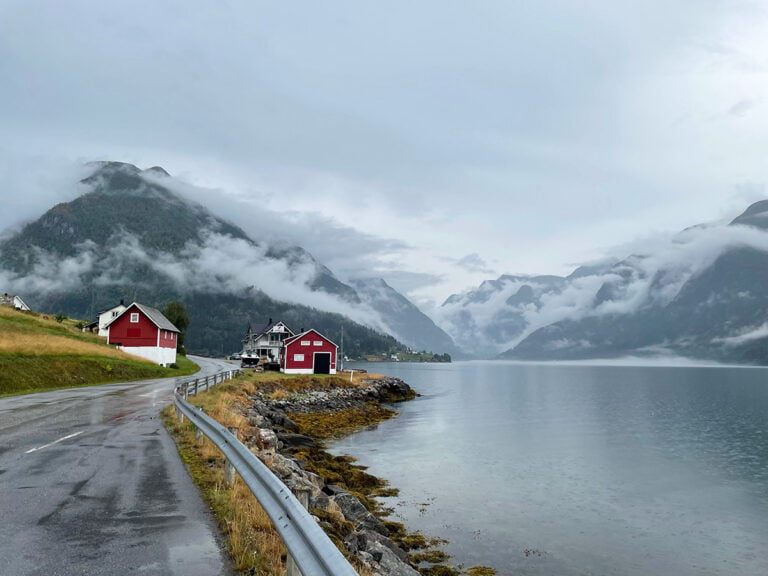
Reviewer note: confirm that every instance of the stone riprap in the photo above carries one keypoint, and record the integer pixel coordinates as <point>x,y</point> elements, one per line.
<point>277,434</point>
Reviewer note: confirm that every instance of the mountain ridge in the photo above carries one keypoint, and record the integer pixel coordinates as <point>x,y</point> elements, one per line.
<point>130,236</point>
<point>701,294</point>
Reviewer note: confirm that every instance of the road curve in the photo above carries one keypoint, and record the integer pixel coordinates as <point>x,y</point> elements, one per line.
<point>91,484</point>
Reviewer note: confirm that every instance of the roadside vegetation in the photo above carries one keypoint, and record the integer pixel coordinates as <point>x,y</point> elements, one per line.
<point>45,352</point>
<point>254,545</point>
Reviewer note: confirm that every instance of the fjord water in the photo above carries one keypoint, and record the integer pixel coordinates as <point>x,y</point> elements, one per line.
<point>554,469</point>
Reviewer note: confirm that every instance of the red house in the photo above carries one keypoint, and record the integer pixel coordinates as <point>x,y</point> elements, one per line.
<point>309,353</point>
<point>145,332</point>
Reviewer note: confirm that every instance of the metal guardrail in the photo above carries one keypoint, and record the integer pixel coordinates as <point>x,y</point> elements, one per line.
<point>311,549</point>
<point>202,384</point>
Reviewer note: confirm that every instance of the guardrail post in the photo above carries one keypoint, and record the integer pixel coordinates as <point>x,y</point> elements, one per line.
<point>199,436</point>
<point>229,470</point>
<point>302,495</point>
<point>179,415</point>
<point>196,384</point>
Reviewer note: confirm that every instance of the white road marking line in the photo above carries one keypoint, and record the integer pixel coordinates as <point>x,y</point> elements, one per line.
<point>54,442</point>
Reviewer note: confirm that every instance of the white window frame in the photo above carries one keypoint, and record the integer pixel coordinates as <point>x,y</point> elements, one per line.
<point>298,357</point>
<point>305,342</point>
<point>317,343</point>
<point>134,317</point>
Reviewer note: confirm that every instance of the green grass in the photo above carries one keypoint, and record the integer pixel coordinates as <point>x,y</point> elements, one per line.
<point>25,375</point>
<point>38,353</point>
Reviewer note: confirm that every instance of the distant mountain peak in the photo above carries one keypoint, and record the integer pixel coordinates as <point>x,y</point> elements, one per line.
<point>158,171</point>
<point>119,178</point>
<point>755,215</point>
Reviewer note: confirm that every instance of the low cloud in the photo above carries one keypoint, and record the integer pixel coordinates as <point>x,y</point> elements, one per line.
<point>474,263</point>
<point>654,276</point>
<point>220,264</point>
<point>741,108</point>
<point>745,336</point>
<point>344,249</point>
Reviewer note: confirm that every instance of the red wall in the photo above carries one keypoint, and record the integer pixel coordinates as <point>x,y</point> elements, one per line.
<point>167,339</point>
<point>123,331</point>
<point>295,347</point>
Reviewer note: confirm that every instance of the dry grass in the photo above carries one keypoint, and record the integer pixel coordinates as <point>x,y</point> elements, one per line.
<point>30,334</point>
<point>254,545</point>
<point>12,342</point>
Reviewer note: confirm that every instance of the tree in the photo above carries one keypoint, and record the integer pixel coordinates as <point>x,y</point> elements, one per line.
<point>177,314</point>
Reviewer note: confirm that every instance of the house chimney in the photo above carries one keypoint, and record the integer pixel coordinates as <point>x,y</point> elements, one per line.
<point>270,322</point>
<point>122,302</point>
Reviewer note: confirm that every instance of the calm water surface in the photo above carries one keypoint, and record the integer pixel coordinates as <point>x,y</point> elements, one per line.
<point>550,469</point>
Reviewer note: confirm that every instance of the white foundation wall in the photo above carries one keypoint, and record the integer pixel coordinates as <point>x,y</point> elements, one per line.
<point>162,356</point>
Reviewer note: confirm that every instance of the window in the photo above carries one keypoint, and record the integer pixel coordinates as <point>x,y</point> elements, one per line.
<point>298,357</point>
<point>115,313</point>
<point>318,343</point>
<point>305,342</point>
<point>134,317</point>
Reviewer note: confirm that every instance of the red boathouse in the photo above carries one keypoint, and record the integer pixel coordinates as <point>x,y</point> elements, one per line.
<point>309,353</point>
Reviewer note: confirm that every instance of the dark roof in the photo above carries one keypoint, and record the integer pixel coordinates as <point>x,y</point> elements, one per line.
<point>110,308</point>
<point>258,330</point>
<point>155,316</point>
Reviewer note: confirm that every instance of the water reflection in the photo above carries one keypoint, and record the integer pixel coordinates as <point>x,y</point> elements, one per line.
<point>600,469</point>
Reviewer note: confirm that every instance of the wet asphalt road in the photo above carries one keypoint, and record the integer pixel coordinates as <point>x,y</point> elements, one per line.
<point>91,484</point>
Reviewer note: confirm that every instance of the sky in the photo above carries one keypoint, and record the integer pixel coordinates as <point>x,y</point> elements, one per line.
<point>433,144</point>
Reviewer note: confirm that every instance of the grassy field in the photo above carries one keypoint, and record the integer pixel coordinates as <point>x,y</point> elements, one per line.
<point>39,352</point>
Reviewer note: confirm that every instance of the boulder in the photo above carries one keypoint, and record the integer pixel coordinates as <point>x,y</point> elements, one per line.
<point>383,561</point>
<point>291,440</point>
<point>355,512</point>
<point>363,540</point>
<point>285,467</point>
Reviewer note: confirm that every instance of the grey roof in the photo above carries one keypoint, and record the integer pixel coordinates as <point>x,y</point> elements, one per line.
<point>153,314</point>
<point>157,317</point>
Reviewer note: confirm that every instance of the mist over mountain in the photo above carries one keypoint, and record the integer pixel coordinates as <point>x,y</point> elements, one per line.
<point>130,236</point>
<point>402,317</point>
<point>699,294</point>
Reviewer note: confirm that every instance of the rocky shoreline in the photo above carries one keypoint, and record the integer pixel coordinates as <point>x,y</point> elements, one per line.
<point>369,541</point>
